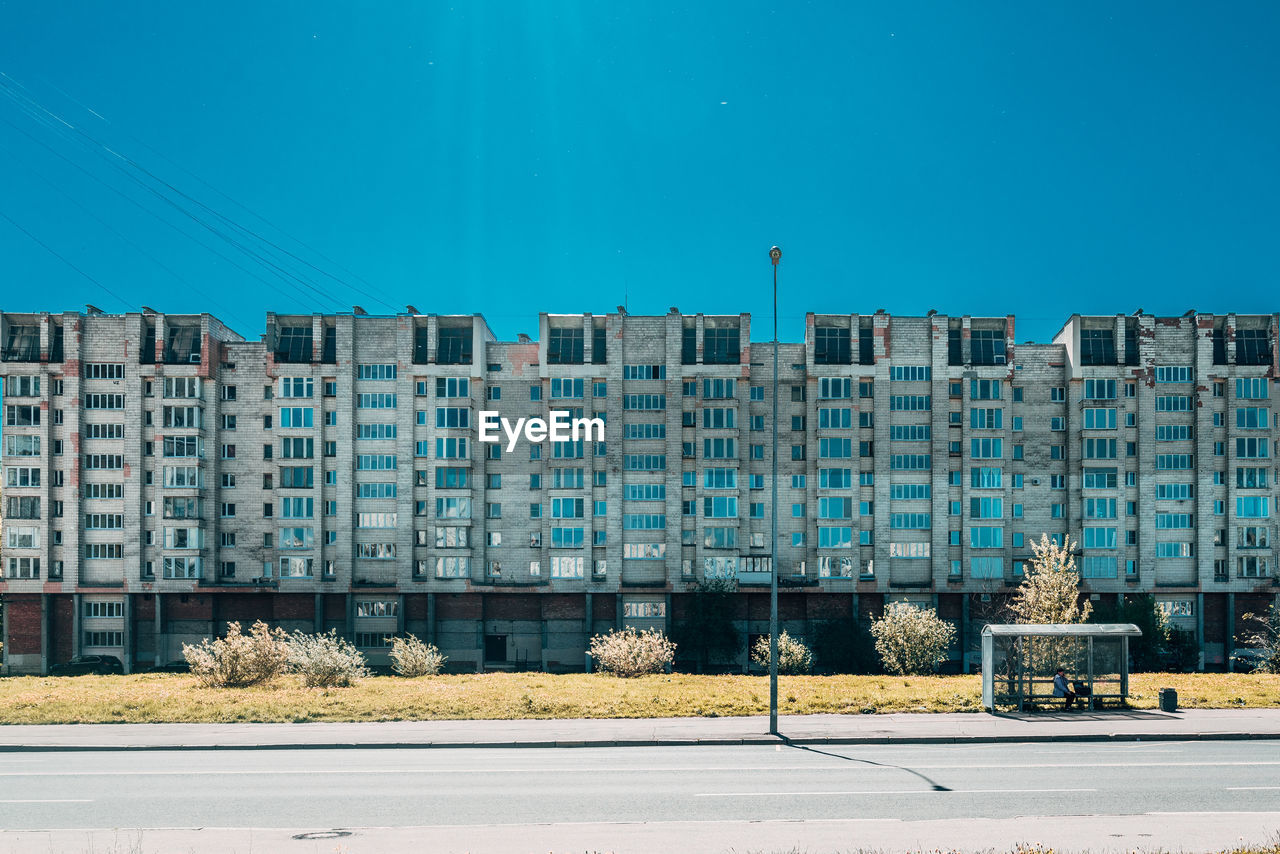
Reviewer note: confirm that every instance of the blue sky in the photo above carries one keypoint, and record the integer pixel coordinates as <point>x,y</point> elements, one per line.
<point>513,157</point>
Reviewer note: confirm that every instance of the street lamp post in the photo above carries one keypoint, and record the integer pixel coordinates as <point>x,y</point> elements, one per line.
<point>775,255</point>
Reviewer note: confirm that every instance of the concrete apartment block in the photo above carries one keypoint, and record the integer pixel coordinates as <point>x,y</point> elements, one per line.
<point>164,476</point>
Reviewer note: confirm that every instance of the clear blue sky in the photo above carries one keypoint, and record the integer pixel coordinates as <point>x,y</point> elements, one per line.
<point>513,157</point>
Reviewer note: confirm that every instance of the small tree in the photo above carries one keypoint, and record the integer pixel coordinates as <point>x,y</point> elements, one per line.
<point>1150,651</point>
<point>794,658</point>
<point>1050,593</point>
<point>632,653</point>
<point>910,640</point>
<point>411,657</point>
<point>326,661</point>
<point>239,660</point>
<point>1262,633</point>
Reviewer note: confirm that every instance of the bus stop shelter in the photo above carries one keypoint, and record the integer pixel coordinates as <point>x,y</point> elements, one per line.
<point>1019,661</point>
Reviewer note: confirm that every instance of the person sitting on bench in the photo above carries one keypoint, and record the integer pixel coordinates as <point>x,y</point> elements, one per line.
<point>1061,689</point>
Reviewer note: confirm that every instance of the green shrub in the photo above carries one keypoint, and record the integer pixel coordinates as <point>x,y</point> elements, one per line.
<point>239,660</point>
<point>326,661</point>
<point>910,640</point>
<point>794,658</point>
<point>411,657</point>
<point>632,653</point>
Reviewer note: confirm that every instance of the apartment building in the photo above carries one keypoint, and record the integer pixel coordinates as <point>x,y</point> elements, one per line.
<point>164,476</point>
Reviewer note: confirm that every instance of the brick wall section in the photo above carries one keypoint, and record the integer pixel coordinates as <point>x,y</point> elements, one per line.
<point>457,606</point>
<point>23,614</point>
<point>507,606</point>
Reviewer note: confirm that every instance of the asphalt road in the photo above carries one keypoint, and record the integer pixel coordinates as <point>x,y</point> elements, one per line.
<point>1180,794</point>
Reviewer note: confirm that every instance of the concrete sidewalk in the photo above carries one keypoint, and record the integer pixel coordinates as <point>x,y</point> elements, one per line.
<point>971,728</point>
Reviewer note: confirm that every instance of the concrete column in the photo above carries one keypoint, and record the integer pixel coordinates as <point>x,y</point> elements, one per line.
<point>128,633</point>
<point>161,642</point>
<point>44,635</point>
<point>431,618</point>
<point>587,624</point>
<point>4,637</point>
<point>617,617</point>
<point>1200,630</point>
<point>400,614</point>
<point>1228,642</point>
<point>964,632</point>
<point>318,619</point>
<point>349,626</point>
<point>77,605</point>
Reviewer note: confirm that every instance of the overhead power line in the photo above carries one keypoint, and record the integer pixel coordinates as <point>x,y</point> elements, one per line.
<point>254,245</point>
<point>46,247</point>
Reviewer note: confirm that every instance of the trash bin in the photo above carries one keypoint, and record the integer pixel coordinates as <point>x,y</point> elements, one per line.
<point>1168,700</point>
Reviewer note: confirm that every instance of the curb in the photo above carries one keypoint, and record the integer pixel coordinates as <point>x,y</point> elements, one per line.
<point>762,740</point>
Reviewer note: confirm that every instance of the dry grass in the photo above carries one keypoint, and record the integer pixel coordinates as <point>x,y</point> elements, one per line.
<point>155,698</point>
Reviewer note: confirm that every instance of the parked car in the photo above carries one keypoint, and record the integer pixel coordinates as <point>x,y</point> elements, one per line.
<point>87,664</point>
<point>179,666</point>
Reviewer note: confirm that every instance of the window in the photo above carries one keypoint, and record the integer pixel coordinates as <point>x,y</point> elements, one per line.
<point>1253,507</point>
<point>565,346</point>
<point>1252,388</point>
<point>1099,538</point>
<point>831,346</point>
<point>1253,347</point>
<point>986,538</point>
<point>1097,347</point>
<point>985,389</point>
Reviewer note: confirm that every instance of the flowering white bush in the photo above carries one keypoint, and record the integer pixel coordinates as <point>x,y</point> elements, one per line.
<point>910,640</point>
<point>325,661</point>
<point>632,653</point>
<point>411,657</point>
<point>794,657</point>
<point>239,660</point>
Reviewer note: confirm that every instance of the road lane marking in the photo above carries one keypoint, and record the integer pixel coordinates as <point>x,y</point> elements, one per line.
<point>860,766</point>
<point>882,792</point>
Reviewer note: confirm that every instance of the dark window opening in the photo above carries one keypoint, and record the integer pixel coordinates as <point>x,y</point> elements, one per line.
<point>689,346</point>
<point>564,346</point>
<point>1252,347</point>
<point>987,347</point>
<point>22,344</point>
<point>329,349</point>
<point>455,347</point>
<point>831,346</point>
<point>1131,343</point>
<point>1219,345</point>
<point>293,344</point>
<point>495,648</point>
<point>721,346</point>
<point>421,348</point>
<point>55,346</point>
<point>148,354</point>
<point>599,351</point>
<point>866,343</point>
<point>1097,347</point>
<point>184,345</point>
<point>955,350</point>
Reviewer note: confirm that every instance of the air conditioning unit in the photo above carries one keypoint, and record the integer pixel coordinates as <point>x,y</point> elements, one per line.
<point>194,358</point>
<point>1035,481</point>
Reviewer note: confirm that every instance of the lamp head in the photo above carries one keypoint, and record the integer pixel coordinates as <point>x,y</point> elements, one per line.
<point>775,255</point>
